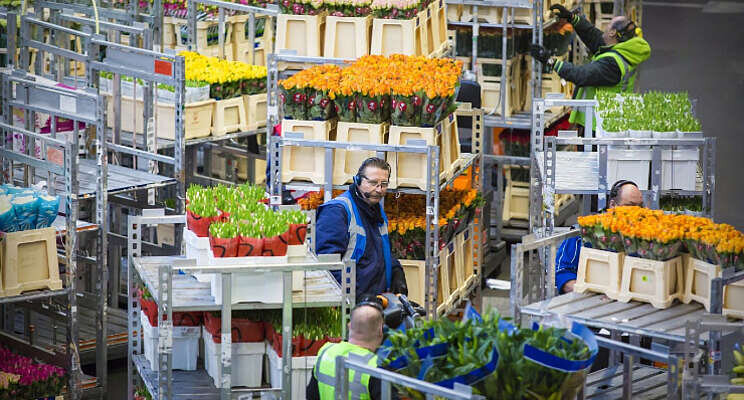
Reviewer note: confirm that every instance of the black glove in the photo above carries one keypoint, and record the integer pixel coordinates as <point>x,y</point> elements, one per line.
<point>562,12</point>
<point>541,54</point>
<point>398,282</point>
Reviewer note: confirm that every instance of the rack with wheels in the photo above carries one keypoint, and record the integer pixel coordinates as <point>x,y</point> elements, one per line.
<point>157,275</point>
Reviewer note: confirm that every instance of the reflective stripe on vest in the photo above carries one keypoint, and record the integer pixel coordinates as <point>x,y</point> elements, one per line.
<point>325,370</point>
<point>357,236</point>
<point>626,84</point>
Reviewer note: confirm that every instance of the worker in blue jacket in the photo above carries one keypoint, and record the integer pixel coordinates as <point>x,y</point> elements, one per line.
<point>354,225</point>
<point>623,193</point>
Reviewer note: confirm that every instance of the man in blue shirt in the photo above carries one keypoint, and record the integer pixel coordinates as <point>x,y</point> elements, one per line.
<point>623,193</point>
<point>354,225</point>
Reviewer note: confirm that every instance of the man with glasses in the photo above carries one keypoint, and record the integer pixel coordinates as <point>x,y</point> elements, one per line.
<point>623,193</point>
<point>354,225</point>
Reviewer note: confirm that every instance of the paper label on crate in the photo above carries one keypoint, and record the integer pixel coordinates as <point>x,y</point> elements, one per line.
<point>429,210</point>
<point>68,104</point>
<point>165,344</point>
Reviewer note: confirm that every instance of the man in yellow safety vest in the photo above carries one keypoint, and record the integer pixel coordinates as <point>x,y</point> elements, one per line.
<point>616,54</point>
<point>365,336</point>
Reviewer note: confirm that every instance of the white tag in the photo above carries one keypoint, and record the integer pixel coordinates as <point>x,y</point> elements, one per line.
<point>429,210</point>
<point>67,104</point>
<point>276,200</point>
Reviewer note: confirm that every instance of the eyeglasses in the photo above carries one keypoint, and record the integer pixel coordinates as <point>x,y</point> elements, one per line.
<point>381,184</point>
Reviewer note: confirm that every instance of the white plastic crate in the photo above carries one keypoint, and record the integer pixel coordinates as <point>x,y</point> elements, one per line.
<point>302,370</point>
<point>633,165</point>
<point>247,362</point>
<point>679,169</point>
<point>185,345</point>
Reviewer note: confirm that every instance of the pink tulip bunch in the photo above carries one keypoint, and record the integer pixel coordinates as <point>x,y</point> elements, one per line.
<point>36,380</point>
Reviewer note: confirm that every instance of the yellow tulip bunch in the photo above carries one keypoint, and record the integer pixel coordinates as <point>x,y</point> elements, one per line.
<point>226,78</point>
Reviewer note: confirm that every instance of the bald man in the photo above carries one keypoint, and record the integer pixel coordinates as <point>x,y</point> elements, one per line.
<point>623,193</point>
<point>616,54</point>
<point>365,336</point>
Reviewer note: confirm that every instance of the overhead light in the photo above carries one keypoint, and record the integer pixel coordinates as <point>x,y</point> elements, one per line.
<point>723,7</point>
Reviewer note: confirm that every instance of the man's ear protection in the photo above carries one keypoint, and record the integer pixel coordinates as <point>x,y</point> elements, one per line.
<point>629,31</point>
<point>357,180</point>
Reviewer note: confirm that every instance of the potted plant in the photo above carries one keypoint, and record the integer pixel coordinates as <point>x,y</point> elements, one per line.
<point>297,226</point>
<point>223,238</point>
<point>275,231</point>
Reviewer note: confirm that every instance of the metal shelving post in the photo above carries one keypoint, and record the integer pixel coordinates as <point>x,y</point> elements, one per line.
<point>715,382</point>
<point>20,92</point>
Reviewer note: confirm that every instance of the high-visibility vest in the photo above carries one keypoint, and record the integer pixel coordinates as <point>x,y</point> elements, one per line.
<point>325,370</point>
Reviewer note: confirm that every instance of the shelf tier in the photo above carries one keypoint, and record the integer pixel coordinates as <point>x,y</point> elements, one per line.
<point>183,284</point>
<point>599,311</point>
<point>466,158</point>
<point>522,120</point>
<point>607,384</point>
<point>163,144</point>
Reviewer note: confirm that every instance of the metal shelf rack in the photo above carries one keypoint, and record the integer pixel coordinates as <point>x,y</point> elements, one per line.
<point>20,92</point>
<point>417,146</point>
<point>157,274</point>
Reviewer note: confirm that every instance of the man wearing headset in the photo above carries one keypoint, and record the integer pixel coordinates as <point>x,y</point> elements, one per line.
<point>354,225</point>
<point>623,193</point>
<point>616,54</point>
<point>365,336</point>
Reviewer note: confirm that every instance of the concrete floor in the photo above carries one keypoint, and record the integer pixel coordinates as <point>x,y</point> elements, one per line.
<point>699,52</point>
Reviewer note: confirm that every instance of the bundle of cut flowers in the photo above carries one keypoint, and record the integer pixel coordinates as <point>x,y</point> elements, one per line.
<point>226,79</point>
<point>239,224</point>
<point>22,378</point>
<point>657,235</point>
<point>651,111</point>
<point>404,90</point>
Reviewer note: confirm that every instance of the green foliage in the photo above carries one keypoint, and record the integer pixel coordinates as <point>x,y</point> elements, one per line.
<point>651,111</point>
<point>223,230</point>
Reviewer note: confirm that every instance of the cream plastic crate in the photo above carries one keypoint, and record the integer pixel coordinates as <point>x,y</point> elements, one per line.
<point>255,110</point>
<point>415,271</point>
<point>455,277</point>
<point>599,271</point>
<point>733,300</point>
<point>490,99</point>
<point>347,37</point>
<point>698,275</point>
<point>466,13</point>
<point>244,52</point>
<point>410,170</point>
<point>679,169</point>
<point>439,23</point>
<point>454,12</point>
<point>215,51</point>
<point>185,345</point>
<point>240,31</point>
<point>169,33</point>
<point>259,170</point>
<point>491,15</point>
<point>28,261</point>
<point>132,114</point>
<point>650,281</point>
<point>346,162</point>
<point>229,116</point>
<point>302,371</point>
<point>516,200</point>
<point>451,141</point>
<point>304,163</point>
<point>633,165</point>
<point>399,36</point>
<point>202,43</point>
<point>301,33</point>
<point>465,259</point>
<point>246,362</point>
<point>197,119</point>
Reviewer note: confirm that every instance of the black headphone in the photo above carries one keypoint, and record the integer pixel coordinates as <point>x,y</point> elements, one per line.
<point>369,300</point>
<point>615,190</point>
<point>366,163</point>
<point>623,34</point>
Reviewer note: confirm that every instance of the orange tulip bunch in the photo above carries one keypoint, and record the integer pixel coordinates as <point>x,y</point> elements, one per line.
<point>658,235</point>
<point>410,91</point>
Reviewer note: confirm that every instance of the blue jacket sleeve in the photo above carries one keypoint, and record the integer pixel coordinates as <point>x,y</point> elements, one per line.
<point>567,261</point>
<point>332,232</point>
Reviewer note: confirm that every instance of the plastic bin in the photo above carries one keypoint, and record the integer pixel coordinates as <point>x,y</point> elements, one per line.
<point>185,345</point>
<point>28,261</point>
<point>247,362</point>
<point>650,281</point>
<point>633,165</point>
<point>698,275</point>
<point>679,169</point>
<point>302,369</point>
<point>599,271</point>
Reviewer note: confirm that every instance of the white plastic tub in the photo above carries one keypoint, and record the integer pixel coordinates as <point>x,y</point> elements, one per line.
<point>302,370</point>
<point>633,165</point>
<point>679,169</point>
<point>185,345</point>
<point>246,362</point>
